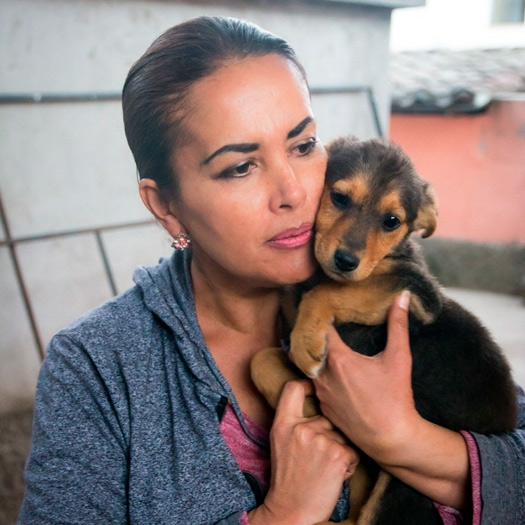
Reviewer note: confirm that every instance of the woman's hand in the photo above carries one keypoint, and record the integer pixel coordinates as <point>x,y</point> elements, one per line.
<point>310,461</point>
<point>370,400</point>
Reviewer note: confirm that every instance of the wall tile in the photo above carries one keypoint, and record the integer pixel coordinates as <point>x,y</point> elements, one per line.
<point>65,167</point>
<point>19,359</point>
<point>65,278</point>
<point>128,248</point>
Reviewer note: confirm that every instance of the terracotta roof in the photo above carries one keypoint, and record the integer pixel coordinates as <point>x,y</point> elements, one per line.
<point>443,81</point>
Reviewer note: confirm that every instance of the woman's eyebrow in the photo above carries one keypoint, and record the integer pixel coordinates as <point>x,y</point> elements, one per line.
<point>299,128</point>
<point>245,147</point>
<point>248,147</point>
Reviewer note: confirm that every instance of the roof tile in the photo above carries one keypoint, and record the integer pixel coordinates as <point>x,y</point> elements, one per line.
<point>441,81</point>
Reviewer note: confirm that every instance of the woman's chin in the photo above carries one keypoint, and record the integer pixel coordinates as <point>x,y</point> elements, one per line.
<point>297,273</point>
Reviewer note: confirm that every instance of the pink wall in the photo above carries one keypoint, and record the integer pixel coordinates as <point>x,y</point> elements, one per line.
<point>476,164</point>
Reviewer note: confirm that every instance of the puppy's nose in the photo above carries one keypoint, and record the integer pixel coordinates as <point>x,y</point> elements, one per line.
<point>345,261</point>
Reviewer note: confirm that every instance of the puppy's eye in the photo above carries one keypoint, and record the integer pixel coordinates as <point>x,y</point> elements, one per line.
<point>390,223</point>
<point>340,200</point>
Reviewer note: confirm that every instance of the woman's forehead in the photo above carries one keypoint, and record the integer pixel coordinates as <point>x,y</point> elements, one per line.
<point>248,97</point>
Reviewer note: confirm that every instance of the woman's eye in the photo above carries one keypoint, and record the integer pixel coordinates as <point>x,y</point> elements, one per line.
<point>340,200</point>
<point>306,147</point>
<point>390,223</point>
<point>241,170</point>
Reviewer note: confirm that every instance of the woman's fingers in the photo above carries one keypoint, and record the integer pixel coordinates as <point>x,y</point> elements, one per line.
<point>336,436</point>
<point>310,460</point>
<point>353,462</point>
<point>290,407</point>
<point>398,343</point>
<point>292,399</point>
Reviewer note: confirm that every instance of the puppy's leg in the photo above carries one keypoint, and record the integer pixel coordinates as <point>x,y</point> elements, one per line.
<point>308,338</point>
<point>370,511</point>
<point>271,369</point>
<point>366,490</point>
<point>395,503</point>
<point>361,486</point>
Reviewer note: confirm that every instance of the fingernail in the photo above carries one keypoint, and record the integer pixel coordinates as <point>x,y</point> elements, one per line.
<point>404,300</point>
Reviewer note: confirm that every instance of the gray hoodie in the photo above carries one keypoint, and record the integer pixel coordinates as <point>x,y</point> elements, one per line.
<point>127,416</point>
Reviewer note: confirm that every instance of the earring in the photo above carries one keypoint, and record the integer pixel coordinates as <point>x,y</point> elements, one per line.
<point>181,241</point>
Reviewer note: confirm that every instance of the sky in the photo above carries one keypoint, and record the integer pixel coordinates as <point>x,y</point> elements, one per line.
<point>452,24</point>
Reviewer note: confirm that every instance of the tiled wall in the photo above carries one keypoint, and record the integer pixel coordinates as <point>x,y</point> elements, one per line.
<point>64,278</point>
<point>66,166</point>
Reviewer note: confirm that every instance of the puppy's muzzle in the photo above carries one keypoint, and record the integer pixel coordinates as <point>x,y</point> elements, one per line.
<point>345,261</point>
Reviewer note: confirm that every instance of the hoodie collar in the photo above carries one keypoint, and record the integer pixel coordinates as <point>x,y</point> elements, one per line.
<point>167,292</point>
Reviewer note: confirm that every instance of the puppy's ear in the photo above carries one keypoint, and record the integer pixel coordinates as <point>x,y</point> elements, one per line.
<point>339,143</point>
<point>426,219</point>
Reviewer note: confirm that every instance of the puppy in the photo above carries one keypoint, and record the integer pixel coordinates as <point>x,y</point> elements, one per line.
<point>373,200</point>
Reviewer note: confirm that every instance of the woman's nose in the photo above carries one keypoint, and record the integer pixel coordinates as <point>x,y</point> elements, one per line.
<point>287,190</point>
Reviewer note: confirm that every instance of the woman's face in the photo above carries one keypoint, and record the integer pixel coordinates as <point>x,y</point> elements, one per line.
<point>251,173</point>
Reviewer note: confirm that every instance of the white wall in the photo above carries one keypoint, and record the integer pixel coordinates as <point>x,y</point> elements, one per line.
<point>67,166</point>
<point>452,24</point>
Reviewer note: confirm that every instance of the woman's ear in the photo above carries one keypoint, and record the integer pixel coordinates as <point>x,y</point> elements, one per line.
<point>159,206</point>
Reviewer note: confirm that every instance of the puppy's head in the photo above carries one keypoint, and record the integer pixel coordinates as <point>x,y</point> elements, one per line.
<point>372,200</point>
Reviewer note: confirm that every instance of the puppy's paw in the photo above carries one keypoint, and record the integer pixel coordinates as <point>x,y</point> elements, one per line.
<point>309,353</point>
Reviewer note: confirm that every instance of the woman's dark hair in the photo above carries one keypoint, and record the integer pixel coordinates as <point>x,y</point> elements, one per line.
<point>155,94</point>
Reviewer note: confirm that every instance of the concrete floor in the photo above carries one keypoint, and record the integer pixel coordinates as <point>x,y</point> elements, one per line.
<point>504,316</point>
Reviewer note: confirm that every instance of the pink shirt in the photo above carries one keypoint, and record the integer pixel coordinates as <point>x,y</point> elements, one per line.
<point>255,459</point>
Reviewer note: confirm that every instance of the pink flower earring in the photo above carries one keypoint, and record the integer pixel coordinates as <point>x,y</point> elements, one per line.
<point>181,241</point>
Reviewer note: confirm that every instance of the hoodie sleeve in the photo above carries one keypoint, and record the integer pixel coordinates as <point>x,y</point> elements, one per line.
<point>78,462</point>
<point>502,459</point>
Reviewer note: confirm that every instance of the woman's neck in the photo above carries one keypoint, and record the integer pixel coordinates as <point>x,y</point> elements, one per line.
<point>237,321</point>
<point>229,306</point>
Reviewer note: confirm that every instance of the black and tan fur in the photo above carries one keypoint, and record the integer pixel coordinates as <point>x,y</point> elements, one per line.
<point>373,200</point>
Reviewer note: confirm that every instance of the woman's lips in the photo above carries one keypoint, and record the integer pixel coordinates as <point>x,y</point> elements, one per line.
<point>293,237</point>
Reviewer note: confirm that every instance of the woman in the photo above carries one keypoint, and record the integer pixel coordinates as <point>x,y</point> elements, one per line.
<point>145,412</point>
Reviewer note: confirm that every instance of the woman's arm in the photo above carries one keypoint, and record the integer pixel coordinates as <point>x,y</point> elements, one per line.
<point>502,459</point>
<point>77,468</point>
<point>370,399</point>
